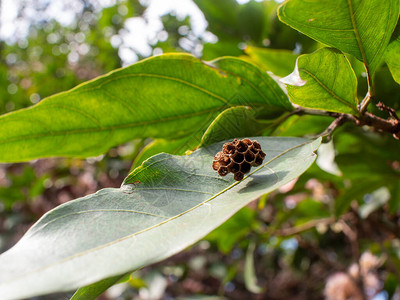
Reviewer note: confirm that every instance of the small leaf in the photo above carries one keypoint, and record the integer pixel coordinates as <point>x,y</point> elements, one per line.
<point>250,278</point>
<point>360,28</point>
<point>91,292</point>
<point>323,80</point>
<point>165,205</point>
<point>234,122</point>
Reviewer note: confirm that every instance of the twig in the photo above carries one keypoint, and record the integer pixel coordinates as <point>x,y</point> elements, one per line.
<point>390,125</point>
<point>331,128</point>
<point>390,110</point>
<point>303,227</point>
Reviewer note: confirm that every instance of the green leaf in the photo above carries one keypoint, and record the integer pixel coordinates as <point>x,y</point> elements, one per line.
<point>279,62</point>
<point>238,121</point>
<point>323,80</point>
<point>307,125</point>
<point>168,96</point>
<point>250,278</point>
<point>91,292</point>
<point>175,146</point>
<point>392,58</point>
<point>165,205</point>
<point>249,75</point>
<point>355,165</point>
<point>361,28</point>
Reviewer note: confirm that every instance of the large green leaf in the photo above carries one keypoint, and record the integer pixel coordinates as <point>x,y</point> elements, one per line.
<point>165,205</point>
<point>324,80</point>
<point>251,76</point>
<point>168,96</point>
<point>361,28</point>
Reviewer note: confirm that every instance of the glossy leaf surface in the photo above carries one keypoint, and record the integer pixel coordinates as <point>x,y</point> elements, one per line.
<point>361,28</point>
<point>167,204</point>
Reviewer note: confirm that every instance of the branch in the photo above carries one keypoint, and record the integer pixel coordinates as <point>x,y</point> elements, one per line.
<point>390,125</point>
<point>331,128</point>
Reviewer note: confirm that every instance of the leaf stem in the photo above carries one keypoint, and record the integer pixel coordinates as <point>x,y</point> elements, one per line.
<point>371,91</point>
<point>332,127</point>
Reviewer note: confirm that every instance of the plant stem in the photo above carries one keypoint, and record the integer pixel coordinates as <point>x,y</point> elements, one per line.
<point>331,128</point>
<point>371,91</point>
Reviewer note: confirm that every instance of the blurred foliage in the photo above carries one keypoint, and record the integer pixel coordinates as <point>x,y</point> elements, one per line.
<point>302,234</point>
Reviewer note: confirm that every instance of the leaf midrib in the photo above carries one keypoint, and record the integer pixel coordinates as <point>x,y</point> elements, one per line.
<point>357,35</point>
<point>343,101</point>
<point>110,128</point>
<point>161,223</point>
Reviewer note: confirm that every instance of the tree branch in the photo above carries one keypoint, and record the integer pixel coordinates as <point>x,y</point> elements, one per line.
<point>390,125</point>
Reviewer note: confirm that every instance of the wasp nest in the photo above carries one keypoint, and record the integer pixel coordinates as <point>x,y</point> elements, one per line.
<point>238,157</point>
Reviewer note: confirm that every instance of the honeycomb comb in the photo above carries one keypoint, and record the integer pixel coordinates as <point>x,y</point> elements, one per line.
<point>238,157</point>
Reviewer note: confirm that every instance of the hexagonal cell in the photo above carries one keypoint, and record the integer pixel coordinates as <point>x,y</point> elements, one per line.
<point>256,145</point>
<point>253,149</point>
<point>245,167</point>
<point>222,171</point>
<point>228,148</point>
<point>261,154</point>
<point>241,146</point>
<point>226,160</point>
<point>238,176</point>
<point>249,156</point>
<point>237,157</point>
<point>233,167</point>
<point>257,162</point>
